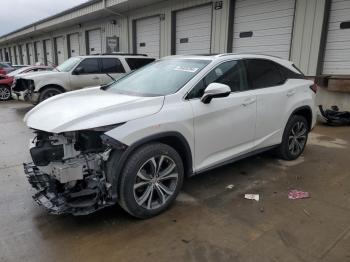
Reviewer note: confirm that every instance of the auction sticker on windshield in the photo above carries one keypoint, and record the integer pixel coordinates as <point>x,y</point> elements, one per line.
<point>186,69</point>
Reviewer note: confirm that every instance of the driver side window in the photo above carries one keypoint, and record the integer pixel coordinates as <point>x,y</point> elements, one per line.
<point>230,73</point>
<point>89,66</point>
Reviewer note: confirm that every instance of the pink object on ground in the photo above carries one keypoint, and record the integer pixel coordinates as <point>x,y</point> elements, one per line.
<point>296,194</point>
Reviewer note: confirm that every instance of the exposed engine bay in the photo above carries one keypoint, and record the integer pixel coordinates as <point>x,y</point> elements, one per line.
<point>69,172</point>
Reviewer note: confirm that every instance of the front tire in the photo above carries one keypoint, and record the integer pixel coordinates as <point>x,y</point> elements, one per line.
<point>294,138</point>
<point>49,92</point>
<point>5,93</point>
<point>151,180</point>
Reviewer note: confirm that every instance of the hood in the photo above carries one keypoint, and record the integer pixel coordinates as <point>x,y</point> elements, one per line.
<point>89,108</point>
<point>35,75</point>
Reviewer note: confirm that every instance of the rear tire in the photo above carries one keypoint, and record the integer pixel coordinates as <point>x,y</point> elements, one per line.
<point>48,93</point>
<point>294,138</point>
<point>151,180</point>
<point>5,93</point>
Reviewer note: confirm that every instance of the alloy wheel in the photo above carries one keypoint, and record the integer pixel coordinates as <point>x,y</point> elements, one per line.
<point>5,93</point>
<point>297,138</point>
<point>155,182</point>
<point>50,94</point>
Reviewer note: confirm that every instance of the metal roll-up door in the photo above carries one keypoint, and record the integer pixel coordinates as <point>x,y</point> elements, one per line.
<point>148,36</point>
<point>39,53</point>
<point>13,57</point>
<point>94,42</point>
<point>74,45</point>
<point>24,54</point>
<point>193,30</point>
<point>16,54</point>
<point>48,52</point>
<point>337,49</point>
<point>30,53</point>
<point>59,50</point>
<point>263,27</point>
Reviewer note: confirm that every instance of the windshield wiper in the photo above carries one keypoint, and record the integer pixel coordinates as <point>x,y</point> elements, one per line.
<point>111,77</point>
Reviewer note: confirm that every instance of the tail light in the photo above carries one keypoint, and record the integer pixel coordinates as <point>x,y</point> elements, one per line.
<point>314,88</point>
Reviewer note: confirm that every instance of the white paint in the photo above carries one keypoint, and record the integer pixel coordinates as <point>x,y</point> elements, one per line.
<point>74,45</point>
<point>337,53</point>
<point>48,49</point>
<point>95,41</point>
<point>271,23</point>
<point>148,36</point>
<point>59,44</point>
<point>39,52</point>
<point>193,30</point>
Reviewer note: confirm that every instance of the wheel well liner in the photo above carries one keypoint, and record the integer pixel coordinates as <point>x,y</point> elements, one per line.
<point>52,86</point>
<point>304,111</point>
<point>173,139</point>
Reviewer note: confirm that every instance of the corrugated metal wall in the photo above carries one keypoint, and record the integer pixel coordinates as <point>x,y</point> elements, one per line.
<point>307,30</point>
<point>219,24</point>
<point>308,22</point>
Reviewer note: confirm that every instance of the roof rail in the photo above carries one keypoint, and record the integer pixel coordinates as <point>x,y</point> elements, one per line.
<point>129,54</point>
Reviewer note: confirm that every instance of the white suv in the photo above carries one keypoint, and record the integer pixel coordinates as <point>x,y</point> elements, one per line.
<point>76,73</point>
<point>133,142</point>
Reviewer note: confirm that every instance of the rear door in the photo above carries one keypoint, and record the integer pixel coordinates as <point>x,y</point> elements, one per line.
<point>94,42</point>
<point>193,30</point>
<point>274,95</point>
<point>74,45</point>
<point>225,127</point>
<point>88,76</point>
<point>111,66</point>
<point>148,36</point>
<point>59,50</point>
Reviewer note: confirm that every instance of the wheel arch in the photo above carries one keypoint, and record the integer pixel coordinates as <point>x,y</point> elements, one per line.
<point>173,139</point>
<point>304,111</point>
<point>52,86</point>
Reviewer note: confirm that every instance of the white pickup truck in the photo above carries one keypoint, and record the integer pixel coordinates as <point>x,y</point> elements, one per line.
<point>75,73</point>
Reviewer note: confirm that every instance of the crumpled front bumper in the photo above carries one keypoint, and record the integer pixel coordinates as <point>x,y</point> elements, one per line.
<point>79,200</point>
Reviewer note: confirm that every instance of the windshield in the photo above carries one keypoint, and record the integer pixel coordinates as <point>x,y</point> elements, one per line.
<point>69,64</point>
<point>4,65</point>
<point>163,77</point>
<point>18,71</point>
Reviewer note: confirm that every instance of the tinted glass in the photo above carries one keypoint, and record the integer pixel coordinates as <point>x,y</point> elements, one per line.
<point>136,63</point>
<point>230,73</point>
<point>112,65</point>
<point>263,73</point>
<point>89,66</point>
<point>160,78</point>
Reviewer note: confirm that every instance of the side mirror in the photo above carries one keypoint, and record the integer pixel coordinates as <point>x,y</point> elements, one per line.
<point>77,71</point>
<point>215,90</point>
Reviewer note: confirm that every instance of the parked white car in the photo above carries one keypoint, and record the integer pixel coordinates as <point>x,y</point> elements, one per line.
<point>76,73</point>
<point>134,141</point>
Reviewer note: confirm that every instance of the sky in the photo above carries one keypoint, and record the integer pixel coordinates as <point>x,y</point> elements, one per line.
<point>18,13</point>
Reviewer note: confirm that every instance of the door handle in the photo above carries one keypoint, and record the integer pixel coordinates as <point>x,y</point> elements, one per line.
<point>96,78</point>
<point>249,101</point>
<point>291,93</point>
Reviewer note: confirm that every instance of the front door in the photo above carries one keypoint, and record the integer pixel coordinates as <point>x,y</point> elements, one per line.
<point>224,128</point>
<point>88,75</point>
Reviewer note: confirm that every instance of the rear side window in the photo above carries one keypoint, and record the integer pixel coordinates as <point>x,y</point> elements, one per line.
<point>112,65</point>
<point>263,73</point>
<point>89,66</point>
<point>136,63</point>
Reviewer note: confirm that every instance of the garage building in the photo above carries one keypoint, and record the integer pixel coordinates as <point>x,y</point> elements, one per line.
<point>315,34</point>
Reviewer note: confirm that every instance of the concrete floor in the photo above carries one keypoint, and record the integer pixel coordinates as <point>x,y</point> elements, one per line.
<point>208,222</point>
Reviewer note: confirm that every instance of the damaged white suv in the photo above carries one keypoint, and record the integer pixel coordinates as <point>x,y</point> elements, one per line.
<point>133,142</point>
